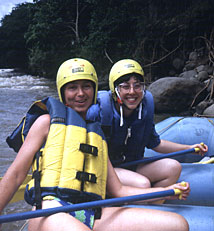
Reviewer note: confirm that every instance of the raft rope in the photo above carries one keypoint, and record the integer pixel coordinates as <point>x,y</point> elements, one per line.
<point>24,226</point>
<point>170,125</point>
<point>211,121</point>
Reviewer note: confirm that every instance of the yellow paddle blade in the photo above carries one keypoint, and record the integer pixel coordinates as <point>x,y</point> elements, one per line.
<point>209,161</point>
<point>19,195</point>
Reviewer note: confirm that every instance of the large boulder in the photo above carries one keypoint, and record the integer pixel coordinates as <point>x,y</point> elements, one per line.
<point>188,74</point>
<point>209,111</point>
<point>174,94</point>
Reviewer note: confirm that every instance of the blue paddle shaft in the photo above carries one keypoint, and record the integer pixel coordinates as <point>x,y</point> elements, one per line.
<point>153,158</point>
<point>87,205</point>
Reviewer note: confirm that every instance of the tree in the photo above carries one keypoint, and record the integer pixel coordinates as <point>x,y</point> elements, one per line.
<point>13,51</point>
<point>153,32</point>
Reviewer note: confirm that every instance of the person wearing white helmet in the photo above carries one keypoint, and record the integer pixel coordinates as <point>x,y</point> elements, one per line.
<point>126,114</point>
<point>73,166</point>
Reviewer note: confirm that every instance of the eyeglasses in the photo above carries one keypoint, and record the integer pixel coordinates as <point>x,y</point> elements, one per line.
<point>125,88</point>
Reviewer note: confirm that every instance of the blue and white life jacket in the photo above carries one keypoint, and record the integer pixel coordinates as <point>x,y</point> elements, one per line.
<point>125,143</point>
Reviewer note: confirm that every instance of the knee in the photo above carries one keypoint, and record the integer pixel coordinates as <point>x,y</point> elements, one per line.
<point>186,226</point>
<point>174,167</point>
<point>145,183</point>
<point>142,182</point>
<point>183,224</point>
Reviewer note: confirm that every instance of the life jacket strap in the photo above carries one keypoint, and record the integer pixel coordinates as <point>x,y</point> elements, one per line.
<point>85,176</point>
<point>98,213</point>
<point>58,120</point>
<point>37,179</point>
<point>89,149</point>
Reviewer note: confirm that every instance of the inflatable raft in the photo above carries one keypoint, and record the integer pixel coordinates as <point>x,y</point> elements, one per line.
<point>191,130</point>
<point>199,218</point>
<point>198,209</point>
<point>186,130</point>
<point>201,179</point>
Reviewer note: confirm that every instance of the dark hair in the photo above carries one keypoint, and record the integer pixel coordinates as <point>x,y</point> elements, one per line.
<point>62,90</point>
<point>126,78</point>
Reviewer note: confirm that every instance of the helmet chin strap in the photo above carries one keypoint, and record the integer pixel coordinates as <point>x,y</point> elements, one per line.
<point>140,110</point>
<point>141,106</point>
<point>121,108</point>
<point>122,104</point>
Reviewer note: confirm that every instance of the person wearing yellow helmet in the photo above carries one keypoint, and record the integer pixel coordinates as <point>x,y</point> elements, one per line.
<point>72,72</point>
<point>74,166</point>
<point>76,69</point>
<point>126,113</point>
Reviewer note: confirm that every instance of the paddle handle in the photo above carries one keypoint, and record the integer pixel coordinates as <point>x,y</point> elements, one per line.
<point>87,205</point>
<point>198,149</point>
<point>178,191</point>
<point>158,157</point>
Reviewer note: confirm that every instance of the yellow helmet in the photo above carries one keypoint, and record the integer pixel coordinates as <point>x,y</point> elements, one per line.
<point>76,69</point>
<point>121,68</point>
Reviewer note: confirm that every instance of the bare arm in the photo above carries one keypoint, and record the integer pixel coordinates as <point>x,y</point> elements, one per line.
<point>166,146</point>
<point>18,170</point>
<point>116,189</point>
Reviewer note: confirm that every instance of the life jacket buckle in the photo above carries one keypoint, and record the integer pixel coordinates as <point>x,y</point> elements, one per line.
<point>89,149</point>
<point>58,120</point>
<point>85,176</point>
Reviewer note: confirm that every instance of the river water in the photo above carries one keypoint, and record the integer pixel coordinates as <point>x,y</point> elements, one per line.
<point>17,92</point>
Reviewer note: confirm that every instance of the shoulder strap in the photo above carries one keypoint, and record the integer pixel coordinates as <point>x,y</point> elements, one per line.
<point>104,100</point>
<point>149,102</point>
<point>16,139</point>
<point>102,112</point>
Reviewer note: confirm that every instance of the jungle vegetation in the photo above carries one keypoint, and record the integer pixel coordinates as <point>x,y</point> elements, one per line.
<point>37,37</point>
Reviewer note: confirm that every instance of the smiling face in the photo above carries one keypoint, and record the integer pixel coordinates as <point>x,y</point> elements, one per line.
<point>79,95</point>
<point>131,94</point>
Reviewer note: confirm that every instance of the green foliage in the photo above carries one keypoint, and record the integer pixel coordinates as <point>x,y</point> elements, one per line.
<point>40,36</point>
<point>13,52</point>
<point>53,36</point>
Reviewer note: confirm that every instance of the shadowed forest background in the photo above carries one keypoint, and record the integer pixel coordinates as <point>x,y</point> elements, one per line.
<point>37,37</point>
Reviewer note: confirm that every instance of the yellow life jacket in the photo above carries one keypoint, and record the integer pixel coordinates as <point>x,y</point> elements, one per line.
<point>73,163</point>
